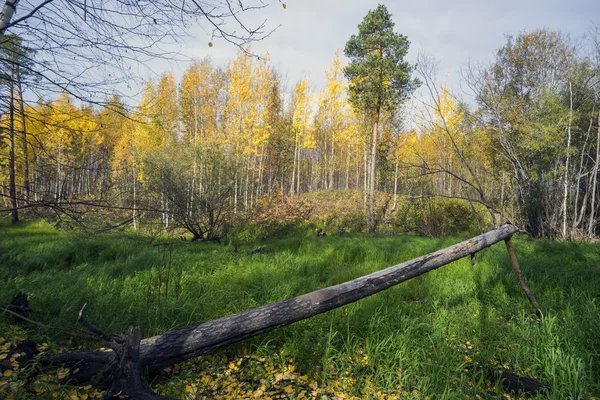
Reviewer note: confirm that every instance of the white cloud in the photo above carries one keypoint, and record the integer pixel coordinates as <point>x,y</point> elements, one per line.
<point>454,32</point>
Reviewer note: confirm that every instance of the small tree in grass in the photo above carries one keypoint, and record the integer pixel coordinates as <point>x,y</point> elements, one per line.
<point>205,207</point>
<point>379,77</point>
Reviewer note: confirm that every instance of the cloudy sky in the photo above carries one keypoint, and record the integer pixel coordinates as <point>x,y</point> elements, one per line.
<point>454,32</point>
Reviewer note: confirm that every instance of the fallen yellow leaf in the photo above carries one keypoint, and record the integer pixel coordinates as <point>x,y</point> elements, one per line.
<point>62,372</point>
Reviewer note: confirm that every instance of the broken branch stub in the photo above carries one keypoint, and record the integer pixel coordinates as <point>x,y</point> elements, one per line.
<point>129,379</point>
<point>517,268</point>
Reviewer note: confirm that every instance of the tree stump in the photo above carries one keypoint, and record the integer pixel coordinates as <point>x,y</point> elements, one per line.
<point>129,379</point>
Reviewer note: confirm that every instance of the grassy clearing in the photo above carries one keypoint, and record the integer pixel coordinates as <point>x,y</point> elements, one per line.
<point>411,341</point>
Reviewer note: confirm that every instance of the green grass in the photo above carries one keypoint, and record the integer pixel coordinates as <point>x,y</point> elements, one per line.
<point>416,338</point>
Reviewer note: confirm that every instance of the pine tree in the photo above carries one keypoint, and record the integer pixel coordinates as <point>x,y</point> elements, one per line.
<point>379,77</point>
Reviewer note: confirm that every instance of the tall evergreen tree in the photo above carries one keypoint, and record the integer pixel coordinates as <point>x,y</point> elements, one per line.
<point>14,61</point>
<point>380,78</point>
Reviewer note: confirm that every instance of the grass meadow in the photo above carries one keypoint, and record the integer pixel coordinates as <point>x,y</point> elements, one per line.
<point>432,337</point>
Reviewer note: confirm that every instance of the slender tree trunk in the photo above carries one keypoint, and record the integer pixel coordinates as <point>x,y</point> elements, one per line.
<point>298,177</point>
<point>11,155</point>
<point>294,166</point>
<point>134,211</point>
<point>235,191</point>
<point>348,169</point>
<point>592,222</point>
<point>134,179</point>
<point>395,186</point>
<point>566,177</point>
<point>324,172</point>
<point>58,170</point>
<point>282,185</point>
<point>372,224</point>
<point>246,185</point>
<point>365,175</point>
<point>313,174</point>
<point>253,180</point>
<point>357,181</point>
<point>502,198</point>
<point>24,140</point>
<point>332,162</point>
<point>194,163</point>
<point>450,193</point>
<point>578,216</point>
<point>4,197</point>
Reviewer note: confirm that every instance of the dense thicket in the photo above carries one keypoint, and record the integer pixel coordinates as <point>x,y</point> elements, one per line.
<point>223,141</point>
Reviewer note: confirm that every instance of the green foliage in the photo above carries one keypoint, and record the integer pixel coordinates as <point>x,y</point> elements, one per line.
<point>14,52</point>
<point>379,77</point>
<point>439,217</point>
<point>339,212</point>
<point>527,96</point>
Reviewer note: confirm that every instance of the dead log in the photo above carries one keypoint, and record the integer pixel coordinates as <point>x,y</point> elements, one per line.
<point>520,385</point>
<point>117,225</point>
<point>191,341</point>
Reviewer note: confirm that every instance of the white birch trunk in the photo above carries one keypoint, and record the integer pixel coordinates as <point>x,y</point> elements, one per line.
<point>566,177</point>
<point>6,14</point>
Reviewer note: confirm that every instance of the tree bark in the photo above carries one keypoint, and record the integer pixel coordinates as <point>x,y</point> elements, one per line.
<point>372,224</point>
<point>26,185</point>
<point>129,380</point>
<point>191,341</point>
<point>293,184</point>
<point>395,186</point>
<point>9,8</point>
<point>366,174</point>
<point>592,222</point>
<point>578,216</point>
<point>11,155</point>
<point>566,177</point>
<point>515,263</point>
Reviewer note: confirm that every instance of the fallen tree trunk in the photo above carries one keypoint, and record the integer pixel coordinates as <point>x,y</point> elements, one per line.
<point>190,341</point>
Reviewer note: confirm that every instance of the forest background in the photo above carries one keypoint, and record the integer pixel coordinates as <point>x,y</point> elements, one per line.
<point>213,149</point>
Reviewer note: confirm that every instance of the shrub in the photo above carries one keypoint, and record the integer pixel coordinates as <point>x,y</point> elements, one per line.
<point>438,217</point>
